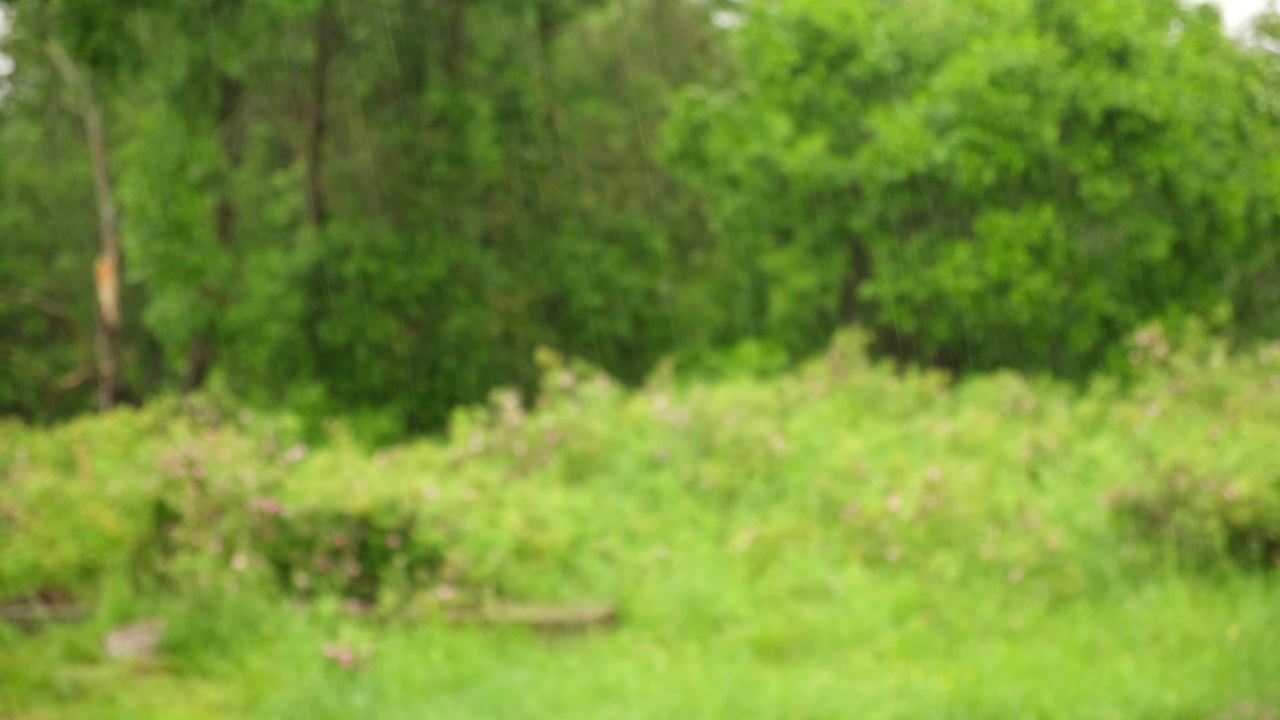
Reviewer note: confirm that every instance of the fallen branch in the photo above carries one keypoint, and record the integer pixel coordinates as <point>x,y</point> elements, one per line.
<point>548,618</point>
<point>37,613</point>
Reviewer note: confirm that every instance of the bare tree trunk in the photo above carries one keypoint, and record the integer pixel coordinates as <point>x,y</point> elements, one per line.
<point>230,133</point>
<point>852,308</point>
<point>455,59</point>
<point>317,209</point>
<point>106,267</point>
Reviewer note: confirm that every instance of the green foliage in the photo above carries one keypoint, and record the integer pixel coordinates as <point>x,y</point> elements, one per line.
<point>483,169</point>
<point>982,547</point>
<point>380,210</point>
<point>844,457</point>
<point>1012,184</point>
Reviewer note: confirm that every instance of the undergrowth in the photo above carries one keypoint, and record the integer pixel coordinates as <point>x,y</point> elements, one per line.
<point>843,541</point>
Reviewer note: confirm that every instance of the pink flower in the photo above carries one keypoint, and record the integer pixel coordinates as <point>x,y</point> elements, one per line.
<point>893,504</point>
<point>339,653</point>
<point>295,453</point>
<point>268,506</point>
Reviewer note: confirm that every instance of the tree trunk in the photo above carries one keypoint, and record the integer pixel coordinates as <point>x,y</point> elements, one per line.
<point>106,267</point>
<point>317,209</point>
<point>455,58</point>
<point>852,309</point>
<point>230,134</point>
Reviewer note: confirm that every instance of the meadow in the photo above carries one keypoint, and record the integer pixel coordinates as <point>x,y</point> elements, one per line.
<point>846,540</point>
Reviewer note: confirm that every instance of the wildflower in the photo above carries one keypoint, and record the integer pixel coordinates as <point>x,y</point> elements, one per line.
<point>295,453</point>
<point>744,540</point>
<point>340,654</point>
<point>893,504</point>
<point>661,402</point>
<point>267,506</point>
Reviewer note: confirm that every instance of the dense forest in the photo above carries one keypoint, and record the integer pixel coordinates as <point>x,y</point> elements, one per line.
<point>382,209</point>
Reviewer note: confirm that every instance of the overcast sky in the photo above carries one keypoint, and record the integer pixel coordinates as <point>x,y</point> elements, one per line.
<point>1235,12</point>
<point>6,62</point>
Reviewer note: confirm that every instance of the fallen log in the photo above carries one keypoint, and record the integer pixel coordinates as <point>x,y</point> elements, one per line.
<point>555,619</point>
<point>30,616</point>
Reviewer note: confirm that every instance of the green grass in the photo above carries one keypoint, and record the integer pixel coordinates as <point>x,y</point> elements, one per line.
<point>844,541</point>
<point>1166,650</point>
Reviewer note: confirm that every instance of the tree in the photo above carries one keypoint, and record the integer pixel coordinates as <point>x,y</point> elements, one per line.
<point>89,50</point>
<point>984,183</point>
<point>106,267</point>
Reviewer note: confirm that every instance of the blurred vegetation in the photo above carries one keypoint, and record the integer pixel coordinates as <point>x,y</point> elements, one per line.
<point>977,548</point>
<point>378,210</point>
<point>875,359</point>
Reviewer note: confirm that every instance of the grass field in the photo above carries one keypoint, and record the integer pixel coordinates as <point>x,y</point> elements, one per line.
<point>842,541</point>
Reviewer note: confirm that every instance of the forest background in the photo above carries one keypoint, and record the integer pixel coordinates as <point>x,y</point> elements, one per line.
<point>381,209</point>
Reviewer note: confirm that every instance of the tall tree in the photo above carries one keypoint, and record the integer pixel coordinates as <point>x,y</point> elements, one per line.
<point>987,184</point>
<point>106,267</point>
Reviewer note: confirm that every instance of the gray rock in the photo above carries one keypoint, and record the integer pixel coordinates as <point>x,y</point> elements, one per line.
<point>135,640</point>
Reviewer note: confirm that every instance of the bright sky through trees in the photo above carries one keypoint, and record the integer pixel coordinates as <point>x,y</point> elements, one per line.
<point>1236,12</point>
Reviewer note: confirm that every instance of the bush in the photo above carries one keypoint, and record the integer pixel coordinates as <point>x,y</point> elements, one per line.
<point>593,487</point>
